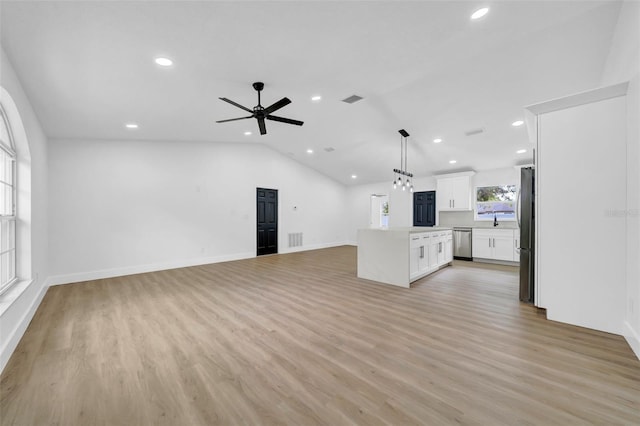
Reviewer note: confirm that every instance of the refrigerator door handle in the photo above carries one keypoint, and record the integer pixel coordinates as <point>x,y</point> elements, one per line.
<point>518,207</point>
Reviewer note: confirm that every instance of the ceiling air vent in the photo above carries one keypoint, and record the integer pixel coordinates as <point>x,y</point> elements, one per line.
<point>352,99</point>
<point>474,132</point>
<point>329,149</point>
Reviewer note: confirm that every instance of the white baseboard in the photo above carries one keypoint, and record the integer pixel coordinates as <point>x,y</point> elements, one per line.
<point>312,247</point>
<point>141,269</point>
<point>496,262</point>
<point>14,329</point>
<point>633,338</point>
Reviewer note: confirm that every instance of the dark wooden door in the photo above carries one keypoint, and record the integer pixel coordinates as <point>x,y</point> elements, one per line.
<point>267,220</point>
<point>424,208</point>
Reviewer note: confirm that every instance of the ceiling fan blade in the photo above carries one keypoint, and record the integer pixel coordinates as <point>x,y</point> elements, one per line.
<point>236,104</point>
<point>285,120</point>
<point>282,102</point>
<point>263,128</point>
<point>234,119</point>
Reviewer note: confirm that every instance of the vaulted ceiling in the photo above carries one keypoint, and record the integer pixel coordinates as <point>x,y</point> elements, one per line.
<point>88,68</point>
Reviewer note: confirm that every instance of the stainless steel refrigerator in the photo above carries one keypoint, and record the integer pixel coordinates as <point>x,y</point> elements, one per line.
<point>527,224</point>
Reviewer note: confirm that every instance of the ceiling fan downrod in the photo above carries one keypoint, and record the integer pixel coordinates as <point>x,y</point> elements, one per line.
<point>258,85</point>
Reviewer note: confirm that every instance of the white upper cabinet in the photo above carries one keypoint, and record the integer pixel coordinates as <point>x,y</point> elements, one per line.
<point>454,192</point>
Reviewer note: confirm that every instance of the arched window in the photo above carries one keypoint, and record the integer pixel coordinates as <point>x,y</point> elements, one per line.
<point>7,204</point>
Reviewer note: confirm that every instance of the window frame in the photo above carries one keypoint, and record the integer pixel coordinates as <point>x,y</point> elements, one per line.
<point>479,218</point>
<point>8,247</point>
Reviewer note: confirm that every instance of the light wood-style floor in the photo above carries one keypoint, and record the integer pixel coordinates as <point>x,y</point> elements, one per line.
<point>298,339</point>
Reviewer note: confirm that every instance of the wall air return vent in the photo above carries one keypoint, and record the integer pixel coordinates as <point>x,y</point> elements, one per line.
<point>295,239</point>
<point>352,99</point>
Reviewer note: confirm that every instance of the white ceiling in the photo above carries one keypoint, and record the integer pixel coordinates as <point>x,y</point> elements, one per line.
<point>88,68</point>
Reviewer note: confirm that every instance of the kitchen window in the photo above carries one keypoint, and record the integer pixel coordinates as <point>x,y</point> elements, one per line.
<point>7,205</point>
<point>495,202</point>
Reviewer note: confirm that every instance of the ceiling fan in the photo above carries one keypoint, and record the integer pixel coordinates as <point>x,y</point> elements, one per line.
<point>261,113</point>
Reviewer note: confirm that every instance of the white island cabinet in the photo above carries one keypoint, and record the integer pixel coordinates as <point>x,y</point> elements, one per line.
<point>399,256</point>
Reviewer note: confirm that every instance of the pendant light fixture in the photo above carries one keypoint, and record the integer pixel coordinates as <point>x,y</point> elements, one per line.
<point>400,174</point>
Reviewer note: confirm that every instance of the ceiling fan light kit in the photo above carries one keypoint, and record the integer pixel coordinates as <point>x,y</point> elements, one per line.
<point>261,113</point>
<point>398,174</point>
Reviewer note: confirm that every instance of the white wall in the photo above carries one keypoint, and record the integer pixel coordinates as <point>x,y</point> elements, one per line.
<point>18,305</point>
<point>133,206</point>
<point>504,176</point>
<point>580,234</point>
<point>623,64</point>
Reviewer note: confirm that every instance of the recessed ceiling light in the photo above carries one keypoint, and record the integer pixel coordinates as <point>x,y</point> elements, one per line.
<point>480,13</point>
<point>316,98</point>
<point>452,162</point>
<point>131,126</point>
<point>164,62</point>
<point>248,133</point>
<point>309,151</point>
<point>437,140</point>
<point>354,176</point>
<point>521,151</point>
<point>517,123</point>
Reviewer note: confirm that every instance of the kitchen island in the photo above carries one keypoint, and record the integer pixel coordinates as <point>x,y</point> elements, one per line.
<point>399,256</point>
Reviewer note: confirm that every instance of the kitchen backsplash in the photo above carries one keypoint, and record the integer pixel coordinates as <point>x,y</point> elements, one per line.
<point>465,218</point>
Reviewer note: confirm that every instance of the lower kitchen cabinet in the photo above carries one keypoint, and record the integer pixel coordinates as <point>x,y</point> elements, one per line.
<point>433,252</point>
<point>494,244</point>
<point>448,247</point>
<point>416,254</point>
<point>440,249</point>
<point>399,256</point>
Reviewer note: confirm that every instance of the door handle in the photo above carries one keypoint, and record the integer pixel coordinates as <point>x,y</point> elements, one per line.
<point>421,252</point>
<point>454,203</point>
<point>518,208</point>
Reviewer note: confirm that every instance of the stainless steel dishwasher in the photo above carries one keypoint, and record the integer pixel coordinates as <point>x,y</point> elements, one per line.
<point>462,243</point>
